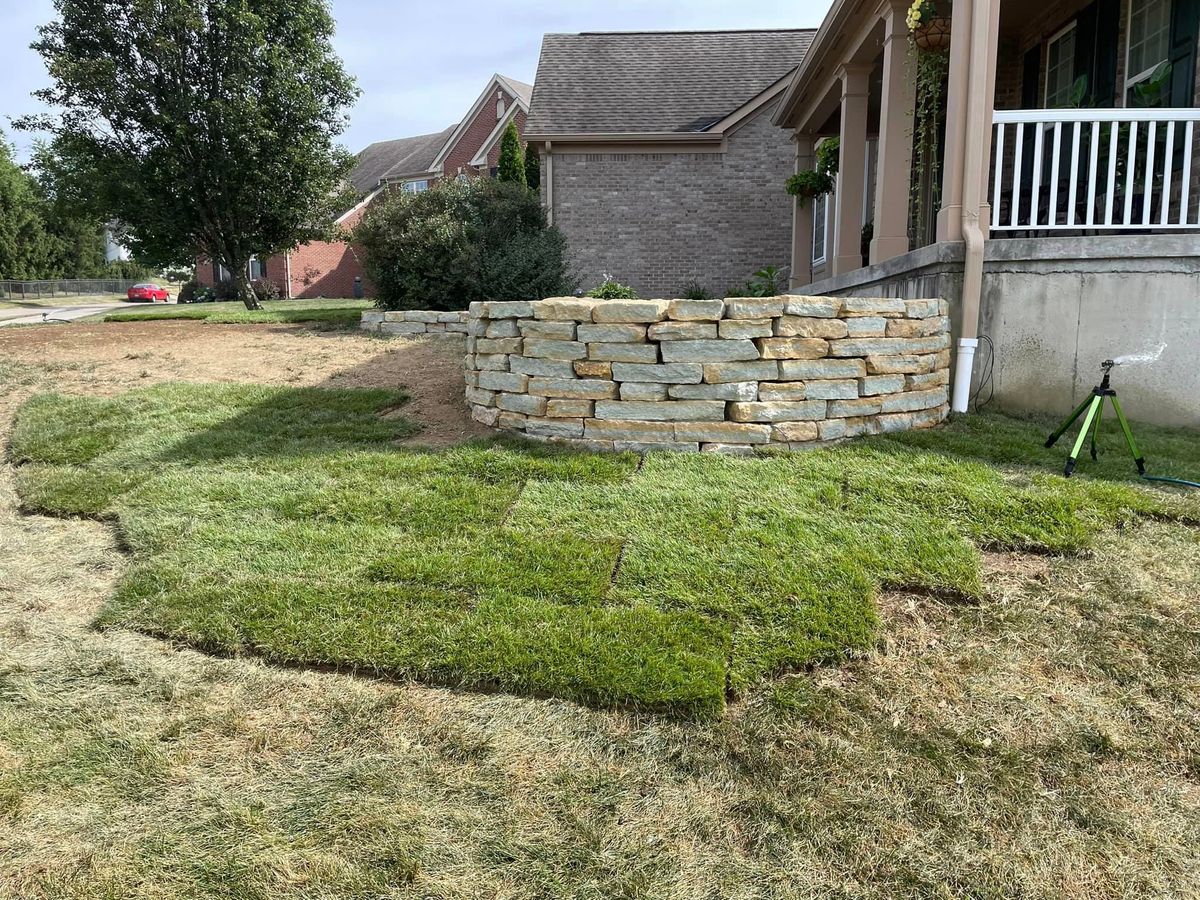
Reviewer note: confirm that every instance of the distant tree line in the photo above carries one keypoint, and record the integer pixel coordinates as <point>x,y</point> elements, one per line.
<point>39,238</point>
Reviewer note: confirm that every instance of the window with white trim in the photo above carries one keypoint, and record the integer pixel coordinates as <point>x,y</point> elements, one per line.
<point>820,214</point>
<point>415,187</point>
<point>1149,41</point>
<point>1060,68</point>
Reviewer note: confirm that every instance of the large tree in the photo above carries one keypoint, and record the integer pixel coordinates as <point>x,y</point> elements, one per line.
<point>512,158</point>
<point>205,126</point>
<point>23,244</point>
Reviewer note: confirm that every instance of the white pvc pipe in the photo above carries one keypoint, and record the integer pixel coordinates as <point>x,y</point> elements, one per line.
<point>963,366</point>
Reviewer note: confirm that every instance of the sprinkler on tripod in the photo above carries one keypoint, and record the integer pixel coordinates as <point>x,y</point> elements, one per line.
<point>1092,409</point>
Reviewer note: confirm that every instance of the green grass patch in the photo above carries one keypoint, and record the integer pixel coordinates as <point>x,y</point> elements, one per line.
<point>287,522</point>
<point>331,313</point>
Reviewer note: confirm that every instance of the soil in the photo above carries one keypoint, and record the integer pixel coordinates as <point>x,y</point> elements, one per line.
<point>107,358</point>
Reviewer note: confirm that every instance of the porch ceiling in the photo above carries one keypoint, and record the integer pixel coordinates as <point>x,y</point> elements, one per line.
<point>1015,15</point>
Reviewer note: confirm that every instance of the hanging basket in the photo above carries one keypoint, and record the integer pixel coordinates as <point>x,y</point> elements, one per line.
<point>934,35</point>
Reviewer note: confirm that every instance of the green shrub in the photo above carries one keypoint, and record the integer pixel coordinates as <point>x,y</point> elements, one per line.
<point>511,166</point>
<point>265,289</point>
<point>460,242</point>
<point>694,290</point>
<point>612,290</point>
<point>766,282</point>
<point>187,292</point>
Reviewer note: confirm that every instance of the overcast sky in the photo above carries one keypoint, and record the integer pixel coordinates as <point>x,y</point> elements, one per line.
<point>421,65</point>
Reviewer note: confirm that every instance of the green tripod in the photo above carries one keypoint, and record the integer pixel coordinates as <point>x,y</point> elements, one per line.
<point>1094,407</point>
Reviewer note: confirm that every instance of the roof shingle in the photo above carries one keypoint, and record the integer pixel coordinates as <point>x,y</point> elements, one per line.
<point>406,156</point>
<point>655,82</point>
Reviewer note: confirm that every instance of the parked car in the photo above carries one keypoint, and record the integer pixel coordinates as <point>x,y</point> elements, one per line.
<point>147,293</point>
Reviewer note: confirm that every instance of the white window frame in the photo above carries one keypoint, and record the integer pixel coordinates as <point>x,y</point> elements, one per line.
<point>1138,78</point>
<point>1050,42</point>
<point>416,186</point>
<point>821,228</point>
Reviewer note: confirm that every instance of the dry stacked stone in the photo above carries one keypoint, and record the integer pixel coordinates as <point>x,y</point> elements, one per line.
<point>414,321</point>
<point>728,376</point>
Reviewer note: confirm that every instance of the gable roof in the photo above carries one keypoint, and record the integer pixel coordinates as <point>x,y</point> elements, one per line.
<point>655,82</point>
<point>519,90</point>
<point>406,156</point>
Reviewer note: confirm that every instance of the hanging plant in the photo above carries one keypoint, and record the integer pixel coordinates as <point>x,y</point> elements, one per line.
<point>929,35</point>
<point>818,180</point>
<point>930,31</point>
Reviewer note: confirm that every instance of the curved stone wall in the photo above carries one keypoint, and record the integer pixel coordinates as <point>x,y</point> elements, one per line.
<point>713,375</point>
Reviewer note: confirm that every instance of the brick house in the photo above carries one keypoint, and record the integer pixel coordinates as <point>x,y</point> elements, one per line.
<point>660,162</point>
<point>470,148</point>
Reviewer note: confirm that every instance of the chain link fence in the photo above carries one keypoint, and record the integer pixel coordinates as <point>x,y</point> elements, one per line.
<point>35,290</point>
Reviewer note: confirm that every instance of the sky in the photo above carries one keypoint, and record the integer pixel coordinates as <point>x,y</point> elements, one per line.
<point>420,66</point>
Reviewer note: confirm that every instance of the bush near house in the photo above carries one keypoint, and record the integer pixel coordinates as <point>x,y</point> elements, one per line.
<point>460,242</point>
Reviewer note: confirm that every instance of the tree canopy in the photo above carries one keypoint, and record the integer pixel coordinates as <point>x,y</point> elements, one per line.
<point>512,157</point>
<point>204,126</point>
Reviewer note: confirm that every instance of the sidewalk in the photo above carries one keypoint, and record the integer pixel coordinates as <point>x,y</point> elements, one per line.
<point>38,315</point>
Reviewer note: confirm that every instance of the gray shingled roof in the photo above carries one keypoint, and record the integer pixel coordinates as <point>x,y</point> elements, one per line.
<point>524,91</point>
<point>406,156</point>
<point>647,82</point>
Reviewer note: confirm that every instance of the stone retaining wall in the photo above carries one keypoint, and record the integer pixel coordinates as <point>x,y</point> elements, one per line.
<point>414,321</point>
<point>714,375</point>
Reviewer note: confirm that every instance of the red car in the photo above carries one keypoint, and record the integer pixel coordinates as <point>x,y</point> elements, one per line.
<point>147,293</point>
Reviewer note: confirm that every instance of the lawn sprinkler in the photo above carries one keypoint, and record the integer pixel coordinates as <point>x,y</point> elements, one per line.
<point>1092,409</point>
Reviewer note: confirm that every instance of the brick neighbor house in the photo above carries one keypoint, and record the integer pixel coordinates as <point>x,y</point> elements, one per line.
<point>660,161</point>
<point>470,148</point>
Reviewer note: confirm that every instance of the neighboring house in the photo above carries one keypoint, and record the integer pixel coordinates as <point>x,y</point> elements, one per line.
<point>660,162</point>
<point>468,149</point>
<point>1066,235</point>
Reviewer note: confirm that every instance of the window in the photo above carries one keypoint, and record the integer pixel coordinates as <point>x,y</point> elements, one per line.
<point>499,106</point>
<point>257,268</point>
<point>820,214</point>
<point>1149,41</point>
<point>415,187</point>
<point>1060,68</point>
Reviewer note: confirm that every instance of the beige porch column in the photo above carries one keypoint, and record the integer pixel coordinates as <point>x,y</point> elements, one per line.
<point>802,219</point>
<point>851,167</point>
<point>894,170</point>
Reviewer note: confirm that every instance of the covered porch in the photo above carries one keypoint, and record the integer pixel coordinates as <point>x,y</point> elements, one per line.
<point>1074,124</point>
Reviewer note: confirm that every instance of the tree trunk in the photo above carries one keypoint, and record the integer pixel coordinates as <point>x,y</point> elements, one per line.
<point>245,291</point>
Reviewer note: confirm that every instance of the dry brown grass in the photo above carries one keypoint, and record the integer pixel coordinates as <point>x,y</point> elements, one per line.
<point>1042,743</point>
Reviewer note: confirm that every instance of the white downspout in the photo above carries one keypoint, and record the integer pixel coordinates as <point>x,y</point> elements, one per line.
<point>972,194</point>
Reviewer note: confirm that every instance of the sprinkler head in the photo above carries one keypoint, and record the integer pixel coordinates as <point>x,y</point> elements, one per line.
<point>1108,364</point>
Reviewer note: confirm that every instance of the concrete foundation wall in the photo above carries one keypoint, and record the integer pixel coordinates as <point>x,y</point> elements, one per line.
<point>658,220</point>
<point>1057,307</point>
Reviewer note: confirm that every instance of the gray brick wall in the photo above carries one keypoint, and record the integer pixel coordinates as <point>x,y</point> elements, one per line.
<point>657,220</point>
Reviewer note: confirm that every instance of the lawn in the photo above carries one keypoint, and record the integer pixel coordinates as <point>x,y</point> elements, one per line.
<point>284,522</point>
<point>332,313</point>
<point>33,303</point>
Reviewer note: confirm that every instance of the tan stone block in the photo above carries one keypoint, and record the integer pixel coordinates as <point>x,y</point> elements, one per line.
<point>867,326</point>
<point>513,382</point>
<point>545,368</point>
<point>866,406</point>
<point>925,382</point>
<point>498,345</point>
<point>754,307</point>
<point>606,311</point>
<point>569,409</point>
<point>795,431</point>
<point>647,447</point>
<point>798,411</point>
<point>842,389</point>
<point>667,373</point>
<point>911,401</point>
<point>485,415</point>
<point>887,346</point>
<point>917,327</point>
<point>496,362</point>
<point>708,351</point>
<point>802,369</point>
<point>819,307</point>
<point>728,449</point>
<point>873,306</point>
<point>628,430</point>
<point>751,370</point>
<point>696,310</point>
<point>793,348</point>
<point>578,388</point>
<point>550,331</point>
<point>733,390</point>
<point>629,353</point>
<point>643,390</point>
<point>541,348</point>
<point>662,411</point>
<point>508,309</point>
<point>922,309</point>
<point>781,390</point>
<point>502,328</point>
<point>478,397</point>
<point>745,328</point>
<point>522,403</point>
<point>723,432</point>
<point>873,385</point>
<point>401,328</point>
<point>682,331</point>
<point>612,334</point>
<point>512,420</point>
<point>554,428</point>
<point>565,309</point>
<point>905,364</point>
<point>593,368</point>
<point>805,326</point>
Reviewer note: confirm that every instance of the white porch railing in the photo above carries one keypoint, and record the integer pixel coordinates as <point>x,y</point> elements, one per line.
<point>1094,169</point>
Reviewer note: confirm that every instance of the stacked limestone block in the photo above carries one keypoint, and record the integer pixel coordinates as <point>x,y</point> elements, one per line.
<point>414,321</point>
<point>730,375</point>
